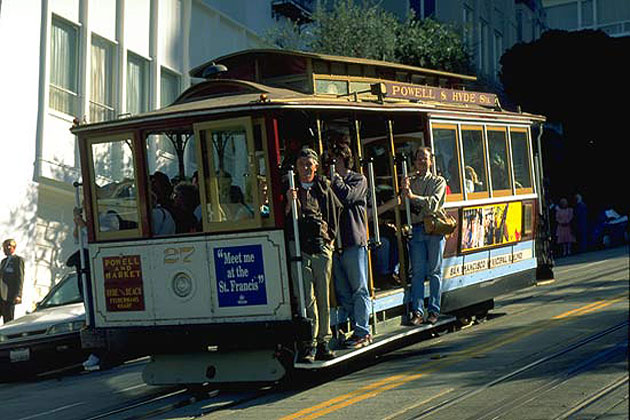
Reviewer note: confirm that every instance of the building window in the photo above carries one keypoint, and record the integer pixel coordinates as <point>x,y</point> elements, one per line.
<point>498,51</point>
<point>137,84</point>
<point>587,14</point>
<point>563,16</point>
<point>64,82</point>
<point>169,87</point>
<point>468,28</point>
<point>102,80</point>
<point>423,8</point>
<point>483,46</point>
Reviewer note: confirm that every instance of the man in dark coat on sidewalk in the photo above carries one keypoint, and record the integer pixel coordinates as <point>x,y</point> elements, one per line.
<point>11,280</point>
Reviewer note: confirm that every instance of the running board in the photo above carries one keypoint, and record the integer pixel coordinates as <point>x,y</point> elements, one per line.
<point>396,333</point>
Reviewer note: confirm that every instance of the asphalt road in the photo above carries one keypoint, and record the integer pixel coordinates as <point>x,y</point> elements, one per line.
<point>554,351</point>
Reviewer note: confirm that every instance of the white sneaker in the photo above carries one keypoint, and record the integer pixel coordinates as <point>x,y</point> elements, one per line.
<point>92,363</point>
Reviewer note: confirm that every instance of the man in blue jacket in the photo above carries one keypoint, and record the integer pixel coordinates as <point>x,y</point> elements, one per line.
<point>350,265</point>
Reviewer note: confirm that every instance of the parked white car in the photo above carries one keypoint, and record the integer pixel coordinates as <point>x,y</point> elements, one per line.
<point>47,338</point>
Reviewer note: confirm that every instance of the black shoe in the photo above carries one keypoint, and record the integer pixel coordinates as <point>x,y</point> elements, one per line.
<point>324,352</point>
<point>306,355</point>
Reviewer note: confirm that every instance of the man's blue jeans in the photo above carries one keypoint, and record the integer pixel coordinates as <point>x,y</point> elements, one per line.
<point>351,287</point>
<point>425,253</point>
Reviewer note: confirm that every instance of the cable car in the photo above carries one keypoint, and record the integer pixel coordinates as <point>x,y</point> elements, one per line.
<point>185,207</point>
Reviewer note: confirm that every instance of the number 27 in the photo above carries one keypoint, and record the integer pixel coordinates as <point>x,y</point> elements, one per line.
<point>176,255</point>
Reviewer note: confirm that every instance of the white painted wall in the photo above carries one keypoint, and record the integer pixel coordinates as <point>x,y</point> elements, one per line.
<point>38,156</point>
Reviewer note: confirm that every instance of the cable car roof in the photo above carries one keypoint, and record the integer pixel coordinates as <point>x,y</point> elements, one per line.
<point>249,56</point>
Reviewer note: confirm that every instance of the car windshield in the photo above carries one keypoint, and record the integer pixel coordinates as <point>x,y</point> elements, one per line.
<point>64,293</point>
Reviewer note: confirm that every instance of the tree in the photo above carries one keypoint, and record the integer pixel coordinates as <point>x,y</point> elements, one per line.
<point>430,44</point>
<point>366,30</point>
<point>577,79</point>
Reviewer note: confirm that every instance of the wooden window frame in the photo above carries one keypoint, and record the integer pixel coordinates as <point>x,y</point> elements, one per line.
<point>509,191</point>
<point>137,232</point>
<point>471,127</point>
<point>208,163</point>
<point>449,126</point>
<point>529,190</point>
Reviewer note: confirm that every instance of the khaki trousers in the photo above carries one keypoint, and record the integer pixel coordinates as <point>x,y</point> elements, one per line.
<point>316,275</point>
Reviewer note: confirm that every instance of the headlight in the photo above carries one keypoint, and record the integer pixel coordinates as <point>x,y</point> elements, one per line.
<point>65,327</point>
<point>3,338</point>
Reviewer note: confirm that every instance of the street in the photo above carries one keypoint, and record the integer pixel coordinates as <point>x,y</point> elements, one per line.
<point>553,351</point>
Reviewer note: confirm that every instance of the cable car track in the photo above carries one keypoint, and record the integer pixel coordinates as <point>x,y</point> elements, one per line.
<point>504,408</point>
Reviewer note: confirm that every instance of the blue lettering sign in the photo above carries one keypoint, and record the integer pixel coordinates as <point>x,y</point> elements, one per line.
<point>240,276</point>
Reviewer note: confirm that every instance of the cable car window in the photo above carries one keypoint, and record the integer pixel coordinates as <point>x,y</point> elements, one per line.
<point>499,161</point>
<point>331,87</point>
<point>447,159</point>
<point>295,130</point>
<point>475,180</point>
<point>173,182</point>
<point>115,189</point>
<point>228,156</point>
<point>521,160</point>
<point>262,181</point>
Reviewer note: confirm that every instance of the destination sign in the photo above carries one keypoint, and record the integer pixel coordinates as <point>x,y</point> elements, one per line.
<point>413,92</point>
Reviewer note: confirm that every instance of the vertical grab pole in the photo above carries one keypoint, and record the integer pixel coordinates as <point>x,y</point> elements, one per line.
<point>372,181</point>
<point>405,174</point>
<point>82,272</point>
<point>338,246</point>
<point>298,252</point>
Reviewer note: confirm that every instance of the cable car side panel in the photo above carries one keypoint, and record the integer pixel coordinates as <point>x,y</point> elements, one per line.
<point>239,277</point>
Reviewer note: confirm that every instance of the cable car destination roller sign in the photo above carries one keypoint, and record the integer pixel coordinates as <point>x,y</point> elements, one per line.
<point>413,92</point>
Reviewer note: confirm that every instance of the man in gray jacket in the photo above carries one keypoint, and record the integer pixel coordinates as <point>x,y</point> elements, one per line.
<point>426,193</point>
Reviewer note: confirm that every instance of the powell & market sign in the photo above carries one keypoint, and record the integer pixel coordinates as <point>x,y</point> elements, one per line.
<point>413,92</point>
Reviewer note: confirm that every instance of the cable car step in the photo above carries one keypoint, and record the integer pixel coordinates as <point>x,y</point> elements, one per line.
<point>389,336</point>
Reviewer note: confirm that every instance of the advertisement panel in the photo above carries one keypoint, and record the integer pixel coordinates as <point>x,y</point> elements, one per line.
<point>491,225</point>
<point>123,283</point>
<point>240,276</point>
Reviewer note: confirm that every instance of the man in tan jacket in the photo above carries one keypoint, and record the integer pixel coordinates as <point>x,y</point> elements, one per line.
<point>426,193</point>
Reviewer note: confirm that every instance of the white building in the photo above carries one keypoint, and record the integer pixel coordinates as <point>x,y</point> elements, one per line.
<point>489,27</point>
<point>95,60</point>
<point>610,16</point>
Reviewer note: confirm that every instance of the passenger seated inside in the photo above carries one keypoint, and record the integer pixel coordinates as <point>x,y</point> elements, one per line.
<point>238,208</point>
<point>109,221</point>
<point>472,182</point>
<point>386,262</point>
<point>162,222</point>
<point>185,201</point>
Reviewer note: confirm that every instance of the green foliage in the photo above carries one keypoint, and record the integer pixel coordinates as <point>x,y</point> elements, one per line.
<point>430,44</point>
<point>365,30</point>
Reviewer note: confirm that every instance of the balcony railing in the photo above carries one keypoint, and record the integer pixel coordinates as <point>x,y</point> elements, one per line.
<point>100,112</point>
<point>299,11</point>
<point>63,100</point>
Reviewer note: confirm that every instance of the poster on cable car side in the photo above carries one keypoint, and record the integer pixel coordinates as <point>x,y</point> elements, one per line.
<point>123,283</point>
<point>240,276</point>
<point>491,225</point>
